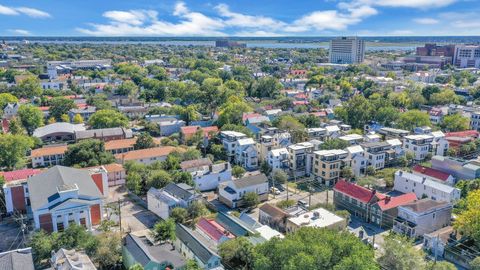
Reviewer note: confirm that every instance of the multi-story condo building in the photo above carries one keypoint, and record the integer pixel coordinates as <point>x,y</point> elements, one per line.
<point>423,216</point>
<point>475,120</point>
<point>352,139</point>
<point>328,165</point>
<point>425,187</point>
<point>358,163</point>
<point>347,50</point>
<point>316,133</point>
<point>467,56</point>
<point>264,145</point>
<point>246,154</point>
<point>376,153</point>
<point>419,145</point>
<point>278,159</point>
<point>229,139</point>
<point>300,158</point>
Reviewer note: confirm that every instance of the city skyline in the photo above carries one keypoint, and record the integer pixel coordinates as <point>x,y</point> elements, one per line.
<point>230,18</point>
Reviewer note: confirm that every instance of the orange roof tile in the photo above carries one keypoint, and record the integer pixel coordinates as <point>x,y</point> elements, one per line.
<point>49,150</point>
<point>114,167</point>
<point>120,144</point>
<point>147,153</point>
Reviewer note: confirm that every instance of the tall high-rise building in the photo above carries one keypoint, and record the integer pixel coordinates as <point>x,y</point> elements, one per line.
<point>467,56</point>
<point>347,50</point>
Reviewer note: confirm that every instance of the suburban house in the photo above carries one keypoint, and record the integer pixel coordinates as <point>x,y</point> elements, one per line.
<point>424,187</point>
<point>421,217</point>
<point>434,174</point>
<point>104,134</point>
<point>62,195</point>
<point>277,159</point>
<point>192,245</point>
<point>231,193</point>
<point>205,174</point>
<point>317,218</point>
<point>375,153</point>
<point>48,156</point>
<point>162,201</point>
<point>271,215</point>
<point>147,156</point>
<point>10,110</point>
<point>139,248</point>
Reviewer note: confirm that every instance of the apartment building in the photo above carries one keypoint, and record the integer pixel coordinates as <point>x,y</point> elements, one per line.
<point>229,139</point>
<point>264,145</point>
<point>419,145</point>
<point>375,154</point>
<point>393,133</point>
<point>352,139</point>
<point>347,50</point>
<point>278,159</point>
<point>421,217</point>
<point>48,156</point>
<point>316,133</point>
<point>425,187</point>
<point>358,163</point>
<point>246,154</point>
<point>205,174</point>
<point>328,165</point>
<point>467,56</point>
<point>300,158</point>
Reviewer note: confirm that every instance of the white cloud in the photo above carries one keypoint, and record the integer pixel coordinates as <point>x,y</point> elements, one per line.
<point>4,10</point>
<point>20,32</point>
<point>31,12</point>
<point>426,21</point>
<point>423,4</point>
<point>247,21</point>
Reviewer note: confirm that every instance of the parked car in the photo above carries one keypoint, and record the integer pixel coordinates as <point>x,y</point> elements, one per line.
<point>274,190</point>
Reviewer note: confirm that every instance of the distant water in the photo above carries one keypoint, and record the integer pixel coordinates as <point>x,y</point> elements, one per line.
<point>373,43</point>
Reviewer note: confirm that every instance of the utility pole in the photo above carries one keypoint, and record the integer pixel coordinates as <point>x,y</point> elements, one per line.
<point>120,215</point>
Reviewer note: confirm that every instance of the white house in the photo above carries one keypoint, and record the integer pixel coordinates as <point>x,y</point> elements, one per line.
<point>352,139</point>
<point>162,201</point>
<point>419,145</point>
<point>278,158</point>
<point>205,174</point>
<point>424,187</point>
<point>229,139</point>
<point>246,154</point>
<point>10,110</point>
<point>231,193</point>
<point>358,162</point>
<point>421,217</point>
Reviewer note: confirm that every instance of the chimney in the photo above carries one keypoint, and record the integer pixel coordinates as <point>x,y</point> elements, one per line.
<point>387,199</point>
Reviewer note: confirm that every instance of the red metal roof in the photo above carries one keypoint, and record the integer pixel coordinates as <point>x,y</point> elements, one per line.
<point>434,173</point>
<point>190,130</point>
<point>392,202</point>
<point>213,229</point>
<point>19,174</point>
<point>358,192</point>
<point>466,133</point>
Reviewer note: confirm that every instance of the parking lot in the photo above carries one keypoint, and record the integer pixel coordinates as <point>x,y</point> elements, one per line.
<point>135,217</point>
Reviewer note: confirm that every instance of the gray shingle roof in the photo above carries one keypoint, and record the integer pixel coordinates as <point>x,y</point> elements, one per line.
<point>143,252</point>
<point>103,132</point>
<point>44,187</point>
<point>250,180</point>
<point>182,191</point>
<point>60,127</point>
<point>20,259</point>
<point>185,235</point>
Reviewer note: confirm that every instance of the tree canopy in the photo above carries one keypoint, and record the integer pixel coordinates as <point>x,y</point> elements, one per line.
<point>107,119</point>
<point>87,153</point>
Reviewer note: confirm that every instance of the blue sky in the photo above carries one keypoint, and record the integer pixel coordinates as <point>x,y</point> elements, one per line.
<point>239,17</point>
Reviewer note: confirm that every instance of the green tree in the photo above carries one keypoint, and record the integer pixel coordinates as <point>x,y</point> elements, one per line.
<point>6,98</point>
<point>134,182</point>
<point>238,171</point>
<point>108,119</point>
<point>357,111</point>
<point>267,87</point>
<point>250,199</point>
<point>164,231</point>
<point>108,253</point>
<point>144,141</point>
<point>65,118</point>
<point>13,150</point>
<point>158,179</point>
<point>31,117</point>
<point>87,153</point>
<point>443,265</point>
<point>429,90</point>
<point>447,96</point>
<point>455,122</point>
<point>28,87</point>
<point>398,253</point>
<point>60,106</point>
<point>347,173</point>
<point>197,209</point>
<point>179,214</point>
<point>237,253</point>
<point>412,119</point>
<point>189,114</point>
<point>136,266</point>
<point>468,221</point>
<point>192,265</point>
<point>77,119</point>
<point>127,88</point>
<point>280,176</point>
<point>42,245</point>
<point>15,127</point>
<point>231,112</point>
<point>475,264</point>
<point>314,248</point>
